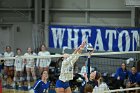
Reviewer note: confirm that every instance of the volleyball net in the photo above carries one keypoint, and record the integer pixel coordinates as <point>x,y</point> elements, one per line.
<point>104,62</point>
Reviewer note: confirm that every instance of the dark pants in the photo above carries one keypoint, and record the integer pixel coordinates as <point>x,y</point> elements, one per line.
<point>118,84</point>
<point>82,87</point>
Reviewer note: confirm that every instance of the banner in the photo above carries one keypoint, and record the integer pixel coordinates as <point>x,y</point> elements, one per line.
<point>102,38</point>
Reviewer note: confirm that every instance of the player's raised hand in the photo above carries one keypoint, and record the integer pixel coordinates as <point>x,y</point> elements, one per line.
<point>65,55</point>
<point>83,44</point>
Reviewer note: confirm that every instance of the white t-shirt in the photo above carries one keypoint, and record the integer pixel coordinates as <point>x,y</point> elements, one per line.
<point>19,65</point>
<point>43,62</point>
<point>84,70</point>
<point>67,67</point>
<point>30,62</point>
<point>9,62</point>
<point>101,88</point>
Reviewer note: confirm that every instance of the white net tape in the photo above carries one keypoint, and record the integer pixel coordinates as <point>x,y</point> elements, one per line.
<point>84,54</point>
<point>121,90</point>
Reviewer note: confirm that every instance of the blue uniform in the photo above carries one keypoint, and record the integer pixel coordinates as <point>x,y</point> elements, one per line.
<point>41,87</point>
<point>138,78</point>
<point>61,84</point>
<point>122,74</point>
<point>133,77</point>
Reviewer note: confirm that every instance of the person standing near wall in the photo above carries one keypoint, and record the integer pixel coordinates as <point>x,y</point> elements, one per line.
<point>43,63</point>
<point>8,66</point>
<point>30,65</point>
<point>84,69</point>
<point>66,74</point>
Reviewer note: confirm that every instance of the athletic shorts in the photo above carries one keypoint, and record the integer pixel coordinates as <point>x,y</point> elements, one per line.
<point>10,66</point>
<point>44,64</point>
<point>61,84</point>
<point>19,68</point>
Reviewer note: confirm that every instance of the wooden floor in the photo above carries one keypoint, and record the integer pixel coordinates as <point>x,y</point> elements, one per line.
<point>20,91</point>
<point>6,90</point>
<point>13,91</point>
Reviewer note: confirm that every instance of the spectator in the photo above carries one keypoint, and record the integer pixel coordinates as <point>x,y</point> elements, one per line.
<point>138,78</point>
<point>133,79</point>
<point>30,65</point>
<point>120,76</point>
<point>18,67</point>
<point>43,63</point>
<point>84,69</point>
<point>8,66</point>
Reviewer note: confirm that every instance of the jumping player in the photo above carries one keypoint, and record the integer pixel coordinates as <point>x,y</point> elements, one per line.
<point>66,74</point>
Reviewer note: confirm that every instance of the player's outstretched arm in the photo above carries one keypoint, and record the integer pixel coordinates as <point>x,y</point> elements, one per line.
<point>80,48</point>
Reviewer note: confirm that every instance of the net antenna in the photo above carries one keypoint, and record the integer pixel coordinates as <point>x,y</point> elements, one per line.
<point>132,3</point>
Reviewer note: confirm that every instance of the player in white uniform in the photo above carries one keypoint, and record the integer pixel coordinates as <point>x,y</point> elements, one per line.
<point>30,65</point>
<point>66,74</point>
<point>43,63</point>
<point>19,67</point>
<point>8,66</point>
